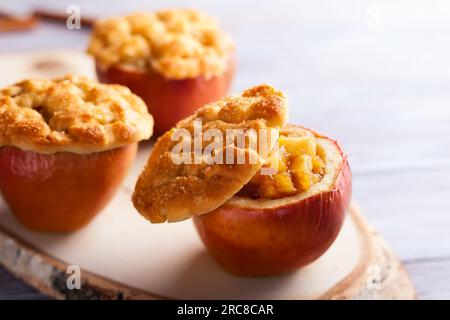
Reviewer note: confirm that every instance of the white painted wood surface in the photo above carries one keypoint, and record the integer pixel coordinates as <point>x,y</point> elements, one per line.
<point>373,74</point>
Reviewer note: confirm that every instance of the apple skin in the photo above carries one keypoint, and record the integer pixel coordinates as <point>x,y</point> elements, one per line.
<point>61,192</point>
<point>170,100</point>
<point>265,242</point>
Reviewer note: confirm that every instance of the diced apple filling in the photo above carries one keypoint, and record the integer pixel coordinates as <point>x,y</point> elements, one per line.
<point>294,168</point>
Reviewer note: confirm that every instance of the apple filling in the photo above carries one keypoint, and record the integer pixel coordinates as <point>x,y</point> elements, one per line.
<point>293,168</point>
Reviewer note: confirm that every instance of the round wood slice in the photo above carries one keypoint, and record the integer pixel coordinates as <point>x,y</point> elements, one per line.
<point>122,256</point>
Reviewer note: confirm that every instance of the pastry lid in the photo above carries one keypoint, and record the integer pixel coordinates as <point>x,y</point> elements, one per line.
<point>208,157</point>
<point>177,43</point>
<point>71,114</point>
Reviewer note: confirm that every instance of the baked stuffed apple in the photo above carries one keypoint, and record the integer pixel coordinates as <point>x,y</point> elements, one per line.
<point>268,217</point>
<point>65,146</point>
<point>176,60</point>
<point>280,222</point>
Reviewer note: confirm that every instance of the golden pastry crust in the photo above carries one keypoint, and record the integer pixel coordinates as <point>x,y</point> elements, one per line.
<point>173,192</point>
<point>177,43</point>
<point>71,114</point>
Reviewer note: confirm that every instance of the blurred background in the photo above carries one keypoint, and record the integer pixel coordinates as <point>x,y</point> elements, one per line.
<point>374,75</point>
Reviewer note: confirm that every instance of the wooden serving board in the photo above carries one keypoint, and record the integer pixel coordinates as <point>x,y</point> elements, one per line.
<point>123,256</point>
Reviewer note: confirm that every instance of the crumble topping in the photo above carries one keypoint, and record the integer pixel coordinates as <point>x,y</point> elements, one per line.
<point>72,114</point>
<point>177,43</point>
<point>168,191</point>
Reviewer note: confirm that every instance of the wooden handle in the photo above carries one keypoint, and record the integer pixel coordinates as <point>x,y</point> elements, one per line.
<point>10,23</point>
<point>60,17</point>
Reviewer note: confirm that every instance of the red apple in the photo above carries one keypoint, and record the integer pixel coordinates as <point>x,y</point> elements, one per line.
<point>61,192</point>
<point>169,100</point>
<point>261,237</point>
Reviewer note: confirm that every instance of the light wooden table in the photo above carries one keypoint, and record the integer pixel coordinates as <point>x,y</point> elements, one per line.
<point>373,74</point>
